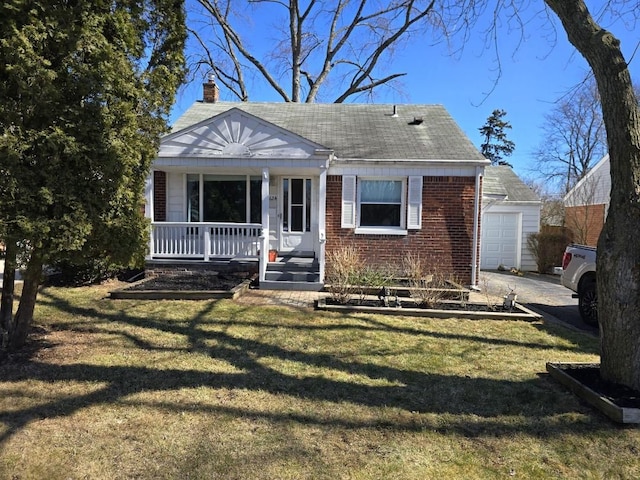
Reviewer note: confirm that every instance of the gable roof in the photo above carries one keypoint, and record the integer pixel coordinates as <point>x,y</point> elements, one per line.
<point>236,133</point>
<point>502,181</point>
<point>358,131</point>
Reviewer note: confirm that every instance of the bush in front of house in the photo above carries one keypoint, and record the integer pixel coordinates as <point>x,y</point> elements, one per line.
<point>344,267</point>
<point>348,275</point>
<point>547,247</point>
<point>72,274</point>
<point>428,286</point>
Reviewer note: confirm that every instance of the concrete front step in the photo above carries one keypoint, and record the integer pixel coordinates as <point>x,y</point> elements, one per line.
<point>292,273</point>
<point>294,264</point>
<point>296,276</point>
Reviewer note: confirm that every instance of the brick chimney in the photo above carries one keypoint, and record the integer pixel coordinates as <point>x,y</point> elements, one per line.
<point>210,91</point>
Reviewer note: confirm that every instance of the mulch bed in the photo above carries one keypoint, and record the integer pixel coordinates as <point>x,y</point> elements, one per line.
<point>190,282</point>
<point>409,303</point>
<point>620,395</point>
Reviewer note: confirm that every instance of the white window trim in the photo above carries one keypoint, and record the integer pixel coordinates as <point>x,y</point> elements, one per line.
<point>382,230</point>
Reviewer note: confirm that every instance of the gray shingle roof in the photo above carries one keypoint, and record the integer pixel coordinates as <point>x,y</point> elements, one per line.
<point>501,180</point>
<point>358,131</point>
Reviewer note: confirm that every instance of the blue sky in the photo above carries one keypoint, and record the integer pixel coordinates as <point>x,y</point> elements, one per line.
<point>535,72</point>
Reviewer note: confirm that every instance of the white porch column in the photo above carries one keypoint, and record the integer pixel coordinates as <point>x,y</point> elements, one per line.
<point>322,210</point>
<point>148,208</point>
<point>264,248</point>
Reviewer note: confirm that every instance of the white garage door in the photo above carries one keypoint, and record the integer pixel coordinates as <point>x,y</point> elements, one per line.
<point>499,240</point>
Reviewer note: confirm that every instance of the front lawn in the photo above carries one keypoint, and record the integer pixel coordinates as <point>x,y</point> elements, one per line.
<point>214,389</point>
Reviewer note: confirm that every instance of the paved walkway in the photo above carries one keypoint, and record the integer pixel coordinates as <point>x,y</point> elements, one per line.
<point>290,298</point>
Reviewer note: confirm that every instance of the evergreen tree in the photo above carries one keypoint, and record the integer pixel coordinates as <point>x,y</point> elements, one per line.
<point>496,144</point>
<point>85,95</point>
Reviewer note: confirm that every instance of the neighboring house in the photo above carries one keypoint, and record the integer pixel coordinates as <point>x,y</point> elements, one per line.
<point>587,203</point>
<point>510,213</point>
<point>235,180</point>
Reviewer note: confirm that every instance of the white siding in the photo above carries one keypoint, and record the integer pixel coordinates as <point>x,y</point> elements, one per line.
<point>397,169</point>
<point>593,189</point>
<point>176,197</point>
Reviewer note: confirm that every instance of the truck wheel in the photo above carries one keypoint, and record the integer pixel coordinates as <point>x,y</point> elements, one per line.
<point>588,303</point>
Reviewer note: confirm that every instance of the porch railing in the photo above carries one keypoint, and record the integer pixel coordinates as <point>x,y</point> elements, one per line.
<point>204,240</point>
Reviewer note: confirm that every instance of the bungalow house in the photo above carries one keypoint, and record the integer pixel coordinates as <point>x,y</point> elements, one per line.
<point>234,181</point>
<point>587,203</point>
<point>510,213</point>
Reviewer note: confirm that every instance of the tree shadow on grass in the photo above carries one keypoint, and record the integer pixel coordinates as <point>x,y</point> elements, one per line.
<point>535,403</point>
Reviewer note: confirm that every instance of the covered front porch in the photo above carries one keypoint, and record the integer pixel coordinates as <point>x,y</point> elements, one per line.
<point>233,187</point>
<point>290,213</point>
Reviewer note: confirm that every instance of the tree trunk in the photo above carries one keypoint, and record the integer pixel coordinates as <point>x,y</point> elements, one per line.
<point>618,262</point>
<point>8,284</point>
<point>22,321</point>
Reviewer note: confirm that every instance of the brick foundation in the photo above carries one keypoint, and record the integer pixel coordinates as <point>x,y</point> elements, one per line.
<point>167,268</point>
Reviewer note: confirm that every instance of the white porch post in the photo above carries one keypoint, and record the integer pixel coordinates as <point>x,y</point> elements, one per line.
<point>207,243</point>
<point>148,209</point>
<point>264,248</point>
<point>322,210</point>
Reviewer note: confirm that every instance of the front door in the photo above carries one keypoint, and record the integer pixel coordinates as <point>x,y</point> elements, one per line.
<point>296,215</point>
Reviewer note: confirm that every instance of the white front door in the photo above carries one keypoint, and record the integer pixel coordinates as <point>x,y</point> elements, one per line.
<point>296,215</point>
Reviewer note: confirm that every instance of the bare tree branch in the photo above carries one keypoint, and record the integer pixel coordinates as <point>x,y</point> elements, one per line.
<point>357,35</point>
<point>212,7</point>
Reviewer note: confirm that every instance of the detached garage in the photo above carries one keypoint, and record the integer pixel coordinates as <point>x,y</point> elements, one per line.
<point>510,212</point>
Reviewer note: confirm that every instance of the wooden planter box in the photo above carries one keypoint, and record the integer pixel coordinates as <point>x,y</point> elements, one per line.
<point>558,372</point>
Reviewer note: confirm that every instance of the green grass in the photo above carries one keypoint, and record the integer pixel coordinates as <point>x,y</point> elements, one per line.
<point>194,389</point>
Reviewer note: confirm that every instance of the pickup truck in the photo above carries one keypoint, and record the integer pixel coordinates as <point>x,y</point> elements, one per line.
<point>579,275</point>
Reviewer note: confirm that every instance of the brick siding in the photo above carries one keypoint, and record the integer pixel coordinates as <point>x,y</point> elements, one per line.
<point>585,223</point>
<point>445,241</point>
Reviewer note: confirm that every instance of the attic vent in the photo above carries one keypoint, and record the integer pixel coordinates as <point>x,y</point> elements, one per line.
<point>395,111</point>
<point>416,121</point>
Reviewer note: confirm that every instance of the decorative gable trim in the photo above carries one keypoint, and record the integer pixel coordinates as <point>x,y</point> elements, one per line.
<point>237,134</point>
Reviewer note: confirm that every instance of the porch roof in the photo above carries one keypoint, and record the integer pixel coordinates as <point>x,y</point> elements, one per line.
<point>358,131</point>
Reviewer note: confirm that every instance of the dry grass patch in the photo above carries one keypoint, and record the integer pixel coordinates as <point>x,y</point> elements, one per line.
<point>202,389</point>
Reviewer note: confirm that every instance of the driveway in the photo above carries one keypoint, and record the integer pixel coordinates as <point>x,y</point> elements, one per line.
<point>541,293</point>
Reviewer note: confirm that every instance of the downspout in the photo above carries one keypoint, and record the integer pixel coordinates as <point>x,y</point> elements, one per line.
<point>264,238</point>
<point>476,225</point>
<point>322,224</point>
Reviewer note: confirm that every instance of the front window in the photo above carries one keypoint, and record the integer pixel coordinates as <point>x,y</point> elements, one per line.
<point>224,198</point>
<point>381,203</point>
